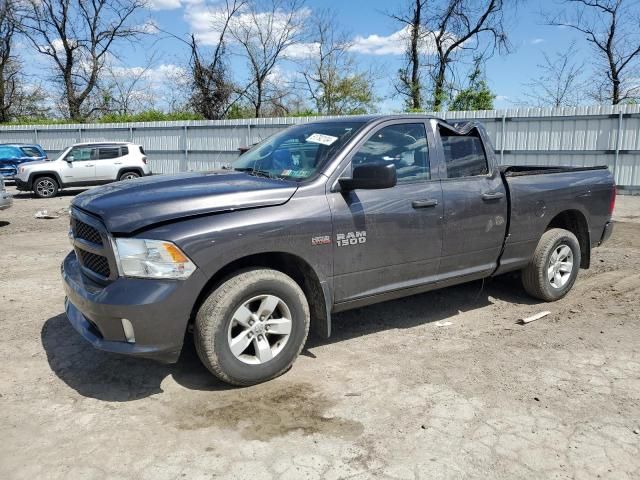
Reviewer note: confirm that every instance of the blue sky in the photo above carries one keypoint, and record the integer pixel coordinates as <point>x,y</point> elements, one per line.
<point>366,22</point>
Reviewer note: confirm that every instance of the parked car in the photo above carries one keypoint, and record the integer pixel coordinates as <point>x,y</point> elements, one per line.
<point>82,165</point>
<point>317,219</point>
<point>6,200</point>
<point>15,154</point>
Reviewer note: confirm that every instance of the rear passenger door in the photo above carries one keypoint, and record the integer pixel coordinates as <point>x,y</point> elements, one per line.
<point>109,162</point>
<point>475,206</point>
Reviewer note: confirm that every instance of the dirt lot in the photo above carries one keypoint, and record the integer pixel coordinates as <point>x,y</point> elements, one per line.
<point>391,395</point>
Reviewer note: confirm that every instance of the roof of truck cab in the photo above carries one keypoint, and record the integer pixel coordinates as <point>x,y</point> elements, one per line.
<point>376,118</point>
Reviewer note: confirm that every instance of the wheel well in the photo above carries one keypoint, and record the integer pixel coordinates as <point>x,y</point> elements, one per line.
<point>576,223</point>
<point>295,267</point>
<point>137,170</point>
<point>38,175</point>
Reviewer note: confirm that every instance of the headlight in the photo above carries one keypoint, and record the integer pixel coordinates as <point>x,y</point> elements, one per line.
<point>138,257</point>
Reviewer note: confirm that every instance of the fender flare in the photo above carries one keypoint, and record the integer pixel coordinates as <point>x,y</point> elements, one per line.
<point>122,170</point>
<point>45,173</point>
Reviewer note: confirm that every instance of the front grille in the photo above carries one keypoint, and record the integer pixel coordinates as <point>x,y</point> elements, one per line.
<point>87,232</point>
<point>95,263</point>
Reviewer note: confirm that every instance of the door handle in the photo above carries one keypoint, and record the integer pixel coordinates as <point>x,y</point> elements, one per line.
<point>91,165</point>
<point>492,196</point>
<point>424,203</point>
<point>117,163</point>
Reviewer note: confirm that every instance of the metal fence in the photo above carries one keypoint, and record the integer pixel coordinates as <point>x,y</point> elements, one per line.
<point>582,136</point>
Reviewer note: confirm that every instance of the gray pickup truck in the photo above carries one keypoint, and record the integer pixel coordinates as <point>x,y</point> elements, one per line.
<point>317,219</point>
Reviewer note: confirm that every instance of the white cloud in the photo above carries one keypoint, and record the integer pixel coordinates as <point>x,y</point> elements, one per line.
<point>205,20</point>
<point>393,44</point>
<point>536,41</point>
<point>164,4</point>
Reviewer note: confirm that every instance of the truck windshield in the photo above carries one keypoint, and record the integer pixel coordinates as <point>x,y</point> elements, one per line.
<point>297,153</point>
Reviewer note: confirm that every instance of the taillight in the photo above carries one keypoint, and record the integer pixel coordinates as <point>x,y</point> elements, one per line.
<point>612,202</point>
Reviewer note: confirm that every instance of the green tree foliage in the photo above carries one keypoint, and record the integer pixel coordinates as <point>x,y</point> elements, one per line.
<point>477,96</point>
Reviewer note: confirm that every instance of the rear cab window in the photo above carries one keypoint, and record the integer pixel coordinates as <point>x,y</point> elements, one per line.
<point>464,155</point>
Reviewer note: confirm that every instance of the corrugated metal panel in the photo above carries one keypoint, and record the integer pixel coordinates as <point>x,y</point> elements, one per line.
<point>579,136</point>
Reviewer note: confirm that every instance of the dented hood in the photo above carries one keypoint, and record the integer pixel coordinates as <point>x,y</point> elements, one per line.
<point>131,205</point>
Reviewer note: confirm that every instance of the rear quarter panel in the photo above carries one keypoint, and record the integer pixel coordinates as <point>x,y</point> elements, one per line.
<point>537,199</point>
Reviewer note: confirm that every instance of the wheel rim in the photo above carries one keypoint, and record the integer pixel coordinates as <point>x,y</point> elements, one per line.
<point>259,329</point>
<point>560,266</point>
<point>129,176</point>
<point>45,188</point>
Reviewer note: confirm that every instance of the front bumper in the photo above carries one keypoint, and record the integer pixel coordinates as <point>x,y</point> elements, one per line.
<point>159,311</point>
<point>6,200</point>
<point>22,185</point>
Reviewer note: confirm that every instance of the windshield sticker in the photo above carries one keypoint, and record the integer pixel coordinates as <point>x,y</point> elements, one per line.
<point>296,173</point>
<point>322,139</point>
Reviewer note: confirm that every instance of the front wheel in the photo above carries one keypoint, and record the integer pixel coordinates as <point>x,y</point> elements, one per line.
<point>252,327</point>
<point>45,187</point>
<point>553,269</point>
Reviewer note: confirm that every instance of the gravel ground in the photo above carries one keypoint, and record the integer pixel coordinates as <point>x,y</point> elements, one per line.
<point>393,394</point>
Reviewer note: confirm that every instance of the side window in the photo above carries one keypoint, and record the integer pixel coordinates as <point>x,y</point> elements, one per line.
<point>83,154</point>
<point>31,152</point>
<point>404,145</point>
<point>124,151</point>
<point>464,155</point>
<point>107,153</point>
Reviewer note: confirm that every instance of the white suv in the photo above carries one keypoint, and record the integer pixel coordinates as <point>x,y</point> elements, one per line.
<point>83,165</point>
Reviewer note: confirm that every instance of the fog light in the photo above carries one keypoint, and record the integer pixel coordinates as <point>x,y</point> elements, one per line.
<point>128,331</point>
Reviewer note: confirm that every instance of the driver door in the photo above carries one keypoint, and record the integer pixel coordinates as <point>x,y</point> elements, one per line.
<point>389,239</point>
<point>80,165</point>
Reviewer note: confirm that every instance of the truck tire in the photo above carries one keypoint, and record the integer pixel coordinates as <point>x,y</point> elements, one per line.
<point>252,327</point>
<point>45,187</point>
<point>553,269</point>
<point>129,176</point>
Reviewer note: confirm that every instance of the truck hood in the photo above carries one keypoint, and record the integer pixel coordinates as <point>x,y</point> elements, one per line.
<point>131,205</point>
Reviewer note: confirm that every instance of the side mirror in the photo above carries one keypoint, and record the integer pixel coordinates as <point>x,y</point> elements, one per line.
<point>371,176</point>
<point>68,158</point>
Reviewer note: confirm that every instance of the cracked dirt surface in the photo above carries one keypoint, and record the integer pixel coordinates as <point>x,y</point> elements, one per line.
<point>391,395</point>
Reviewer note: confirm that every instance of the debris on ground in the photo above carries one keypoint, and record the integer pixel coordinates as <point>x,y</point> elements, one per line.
<point>443,324</point>
<point>44,214</point>
<point>532,318</point>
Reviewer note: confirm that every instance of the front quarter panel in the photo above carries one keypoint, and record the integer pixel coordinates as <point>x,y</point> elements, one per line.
<point>301,227</point>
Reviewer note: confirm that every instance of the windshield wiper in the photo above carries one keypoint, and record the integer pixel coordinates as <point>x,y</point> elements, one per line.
<point>259,173</point>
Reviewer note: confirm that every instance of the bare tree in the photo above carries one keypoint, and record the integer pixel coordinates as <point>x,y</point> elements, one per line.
<point>330,74</point>
<point>17,98</point>
<point>124,90</point>
<point>212,88</point>
<point>612,28</point>
<point>409,82</point>
<point>9,68</point>
<point>77,35</point>
<point>456,27</point>
<point>560,82</point>
<point>265,31</point>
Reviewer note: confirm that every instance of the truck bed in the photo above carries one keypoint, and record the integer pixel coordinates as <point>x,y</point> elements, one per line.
<point>521,170</point>
<point>538,195</point>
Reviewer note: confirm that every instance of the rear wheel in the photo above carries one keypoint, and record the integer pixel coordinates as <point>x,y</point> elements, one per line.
<point>129,176</point>
<point>553,269</point>
<point>45,187</point>
<point>252,327</point>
